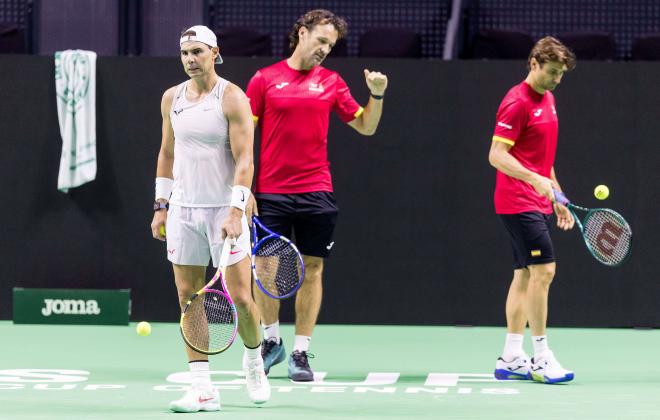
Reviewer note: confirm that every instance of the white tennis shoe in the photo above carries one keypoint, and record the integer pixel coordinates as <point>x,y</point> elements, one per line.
<point>545,368</point>
<point>256,381</point>
<point>516,368</point>
<point>196,399</point>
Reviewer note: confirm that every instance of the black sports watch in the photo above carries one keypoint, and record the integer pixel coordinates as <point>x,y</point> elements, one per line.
<point>159,206</point>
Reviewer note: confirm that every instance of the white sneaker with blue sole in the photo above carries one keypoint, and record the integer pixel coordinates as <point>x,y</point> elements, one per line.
<point>518,368</point>
<point>545,368</point>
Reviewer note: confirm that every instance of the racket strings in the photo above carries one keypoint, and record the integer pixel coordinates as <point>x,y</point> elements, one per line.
<point>278,267</point>
<point>609,236</point>
<point>209,323</point>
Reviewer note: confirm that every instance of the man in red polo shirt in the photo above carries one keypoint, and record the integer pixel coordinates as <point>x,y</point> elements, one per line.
<point>523,152</point>
<point>292,101</point>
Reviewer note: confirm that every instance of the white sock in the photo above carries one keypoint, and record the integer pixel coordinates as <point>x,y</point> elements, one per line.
<point>301,343</point>
<point>199,371</point>
<point>272,332</point>
<point>513,346</point>
<point>540,344</point>
<point>253,353</point>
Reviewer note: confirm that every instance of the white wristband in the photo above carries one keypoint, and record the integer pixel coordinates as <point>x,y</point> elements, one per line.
<point>163,188</point>
<point>239,196</point>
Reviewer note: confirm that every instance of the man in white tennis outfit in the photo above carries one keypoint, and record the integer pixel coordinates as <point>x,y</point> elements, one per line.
<point>204,171</point>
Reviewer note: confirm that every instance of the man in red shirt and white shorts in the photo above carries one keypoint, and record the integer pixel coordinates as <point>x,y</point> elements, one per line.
<point>292,100</point>
<point>523,152</point>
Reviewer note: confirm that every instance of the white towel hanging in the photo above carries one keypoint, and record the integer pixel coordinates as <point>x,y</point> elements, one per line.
<point>75,84</point>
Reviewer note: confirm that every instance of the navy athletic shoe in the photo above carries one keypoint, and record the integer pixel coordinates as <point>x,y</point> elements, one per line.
<point>299,369</point>
<point>272,353</point>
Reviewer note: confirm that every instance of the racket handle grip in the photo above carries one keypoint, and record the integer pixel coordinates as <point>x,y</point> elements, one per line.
<point>224,254</point>
<point>560,197</point>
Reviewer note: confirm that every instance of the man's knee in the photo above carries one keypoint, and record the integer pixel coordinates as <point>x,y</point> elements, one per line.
<point>313,267</point>
<point>543,273</point>
<point>521,274</point>
<point>242,301</point>
<point>188,281</point>
<point>520,280</point>
<point>184,293</point>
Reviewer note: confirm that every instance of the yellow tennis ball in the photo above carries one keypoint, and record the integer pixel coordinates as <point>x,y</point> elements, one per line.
<point>602,192</point>
<point>162,230</point>
<point>143,328</point>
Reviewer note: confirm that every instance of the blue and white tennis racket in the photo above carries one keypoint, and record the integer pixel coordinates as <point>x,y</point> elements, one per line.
<point>606,233</point>
<point>277,265</point>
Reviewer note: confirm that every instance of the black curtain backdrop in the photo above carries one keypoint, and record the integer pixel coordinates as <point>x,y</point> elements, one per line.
<point>417,240</point>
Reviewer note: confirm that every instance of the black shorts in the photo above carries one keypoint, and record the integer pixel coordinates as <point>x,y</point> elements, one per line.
<point>308,219</point>
<point>530,238</point>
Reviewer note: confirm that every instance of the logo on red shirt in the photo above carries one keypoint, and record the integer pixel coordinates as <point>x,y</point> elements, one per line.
<point>316,87</point>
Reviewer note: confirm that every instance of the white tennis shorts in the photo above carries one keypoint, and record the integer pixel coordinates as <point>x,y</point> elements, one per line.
<point>194,235</point>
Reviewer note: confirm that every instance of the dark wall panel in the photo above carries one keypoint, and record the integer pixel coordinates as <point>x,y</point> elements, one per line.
<point>78,24</point>
<point>417,240</point>
<point>163,22</point>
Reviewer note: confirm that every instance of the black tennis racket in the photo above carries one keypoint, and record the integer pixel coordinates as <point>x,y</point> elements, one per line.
<point>277,265</point>
<point>606,233</point>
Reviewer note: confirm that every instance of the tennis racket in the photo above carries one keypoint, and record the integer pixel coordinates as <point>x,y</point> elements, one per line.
<point>277,265</point>
<point>209,320</point>
<point>606,233</point>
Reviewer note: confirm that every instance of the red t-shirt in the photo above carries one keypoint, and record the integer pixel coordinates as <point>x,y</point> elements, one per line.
<point>293,108</point>
<point>528,122</point>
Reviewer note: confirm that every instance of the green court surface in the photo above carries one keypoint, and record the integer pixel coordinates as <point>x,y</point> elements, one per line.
<point>371,372</point>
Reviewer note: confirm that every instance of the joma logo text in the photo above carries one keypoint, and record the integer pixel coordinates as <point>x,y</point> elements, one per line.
<point>70,307</point>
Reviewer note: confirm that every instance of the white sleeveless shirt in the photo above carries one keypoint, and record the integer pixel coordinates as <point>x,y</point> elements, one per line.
<point>203,163</point>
